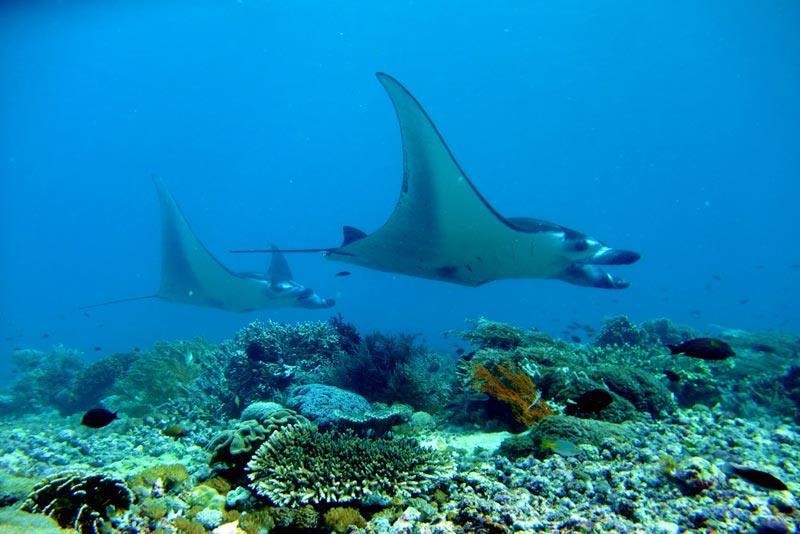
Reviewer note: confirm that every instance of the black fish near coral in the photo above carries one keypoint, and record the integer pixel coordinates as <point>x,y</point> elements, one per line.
<point>590,402</point>
<point>672,376</point>
<point>98,418</point>
<point>759,478</point>
<point>343,273</point>
<point>705,348</point>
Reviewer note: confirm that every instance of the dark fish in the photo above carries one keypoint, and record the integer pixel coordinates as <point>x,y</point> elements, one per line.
<point>459,351</point>
<point>343,273</point>
<point>175,431</point>
<point>98,418</point>
<point>763,347</point>
<point>468,356</point>
<point>672,376</point>
<point>45,335</point>
<point>98,349</point>
<point>136,349</point>
<point>759,478</point>
<point>589,402</point>
<point>716,277</point>
<point>705,348</point>
<point>86,314</point>
<point>575,339</point>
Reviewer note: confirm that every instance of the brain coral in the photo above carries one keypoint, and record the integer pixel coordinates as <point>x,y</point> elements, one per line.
<point>300,465</point>
<point>232,448</point>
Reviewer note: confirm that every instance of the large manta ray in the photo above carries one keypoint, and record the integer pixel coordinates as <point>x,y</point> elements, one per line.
<point>443,229</point>
<point>190,274</point>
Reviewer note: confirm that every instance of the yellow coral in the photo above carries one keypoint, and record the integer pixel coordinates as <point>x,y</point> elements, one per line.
<point>221,485</point>
<point>340,518</point>
<point>508,383</point>
<point>257,521</point>
<point>171,475</point>
<point>187,526</point>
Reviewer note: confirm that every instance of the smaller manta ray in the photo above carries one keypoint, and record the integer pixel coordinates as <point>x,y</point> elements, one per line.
<point>190,274</point>
<point>443,229</point>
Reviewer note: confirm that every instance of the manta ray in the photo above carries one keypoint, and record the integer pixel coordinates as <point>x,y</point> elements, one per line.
<point>443,229</point>
<point>190,274</point>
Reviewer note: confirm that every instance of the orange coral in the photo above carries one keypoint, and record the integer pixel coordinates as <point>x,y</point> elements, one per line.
<point>508,383</point>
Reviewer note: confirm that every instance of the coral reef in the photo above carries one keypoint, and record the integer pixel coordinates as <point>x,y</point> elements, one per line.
<point>486,334</point>
<point>19,522</point>
<point>301,465</point>
<point>339,519</point>
<point>45,379</point>
<point>572,429</point>
<point>231,449</point>
<point>511,385</point>
<point>82,502</point>
<point>165,372</point>
<point>394,368</point>
<point>332,407</point>
<point>654,460</point>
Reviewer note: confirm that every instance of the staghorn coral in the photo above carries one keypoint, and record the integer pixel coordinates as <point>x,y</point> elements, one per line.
<point>79,501</point>
<point>307,343</point>
<point>486,334</point>
<point>511,385</point>
<point>166,372</point>
<point>301,465</point>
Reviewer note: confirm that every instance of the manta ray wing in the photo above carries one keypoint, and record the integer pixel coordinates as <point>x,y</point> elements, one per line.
<point>441,226</point>
<point>190,274</point>
<point>443,229</point>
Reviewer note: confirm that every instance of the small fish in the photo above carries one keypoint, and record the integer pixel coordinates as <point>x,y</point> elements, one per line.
<point>672,376</point>
<point>560,446</point>
<point>705,348</point>
<point>136,349</point>
<point>575,339</point>
<point>98,348</point>
<point>45,335</point>
<point>175,431</point>
<point>467,356</point>
<point>763,347</point>
<point>86,314</point>
<point>459,351</point>
<point>98,418</point>
<point>759,478</point>
<point>589,402</point>
<point>716,277</point>
<point>343,273</point>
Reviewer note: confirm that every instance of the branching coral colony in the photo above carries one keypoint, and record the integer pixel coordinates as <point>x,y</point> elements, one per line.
<point>508,383</point>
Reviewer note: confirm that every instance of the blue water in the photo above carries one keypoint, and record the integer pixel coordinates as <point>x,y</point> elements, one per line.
<point>671,128</point>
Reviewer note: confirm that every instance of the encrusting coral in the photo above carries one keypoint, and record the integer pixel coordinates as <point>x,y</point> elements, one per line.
<point>301,465</point>
<point>79,501</point>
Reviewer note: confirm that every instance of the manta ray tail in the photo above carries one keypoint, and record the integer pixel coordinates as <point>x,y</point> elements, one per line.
<point>118,301</point>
